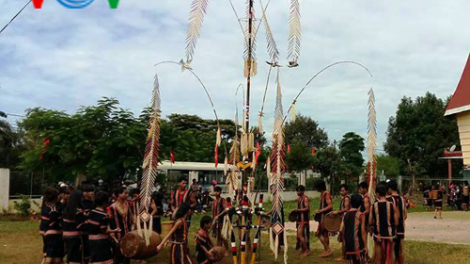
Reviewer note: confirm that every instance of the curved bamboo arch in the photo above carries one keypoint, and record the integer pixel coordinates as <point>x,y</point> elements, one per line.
<point>316,75</point>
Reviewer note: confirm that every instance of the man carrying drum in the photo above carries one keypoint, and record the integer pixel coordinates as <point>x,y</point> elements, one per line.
<point>326,206</point>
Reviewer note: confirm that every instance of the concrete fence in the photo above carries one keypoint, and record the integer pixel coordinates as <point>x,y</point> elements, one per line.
<point>4,189</point>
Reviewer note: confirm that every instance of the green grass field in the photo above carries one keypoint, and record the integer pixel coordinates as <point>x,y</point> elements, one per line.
<point>21,244</point>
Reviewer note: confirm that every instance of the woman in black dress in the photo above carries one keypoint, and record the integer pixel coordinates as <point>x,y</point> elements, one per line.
<point>73,225</point>
<point>51,228</point>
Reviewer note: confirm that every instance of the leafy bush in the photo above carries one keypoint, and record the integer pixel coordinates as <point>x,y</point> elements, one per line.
<point>23,207</point>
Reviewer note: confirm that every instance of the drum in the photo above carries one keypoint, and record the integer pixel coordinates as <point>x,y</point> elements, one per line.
<point>133,246</point>
<point>293,216</point>
<point>332,222</point>
<point>166,228</point>
<point>434,194</point>
<point>218,253</point>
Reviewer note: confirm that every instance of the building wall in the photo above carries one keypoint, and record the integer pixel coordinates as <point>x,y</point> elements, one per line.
<point>463,121</point>
<point>4,188</point>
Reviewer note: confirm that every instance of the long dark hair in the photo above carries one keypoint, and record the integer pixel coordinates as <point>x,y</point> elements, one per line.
<point>50,195</point>
<point>184,208</point>
<point>74,203</point>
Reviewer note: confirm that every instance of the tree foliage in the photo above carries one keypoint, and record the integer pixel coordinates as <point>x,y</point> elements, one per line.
<point>389,165</point>
<point>11,145</point>
<point>419,132</point>
<point>306,130</point>
<point>108,142</point>
<point>351,147</point>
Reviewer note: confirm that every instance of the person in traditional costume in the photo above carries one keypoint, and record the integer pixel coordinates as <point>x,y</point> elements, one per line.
<point>179,252</point>
<point>303,221</point>
<point>366,204</point>
<point>88,204</point>
<point>344,207</point>
<point>326,206</point>
<point>438,202</point>
<point>73,226</point>
<point>183,195</point>
<point>156,211</point>
<point>51,228</point>
<point>218,212</point>
<point>98,232</point>
<point>203,241</point>
<point>354,232</point>
<point>383,221</point>
<point>400,204</point>
<point>465,195</point>
<point>120,218</point>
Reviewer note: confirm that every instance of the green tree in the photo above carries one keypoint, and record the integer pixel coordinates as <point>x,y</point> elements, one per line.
<point>11,145</point>
<point>299,158</point>
<point>419,132</point>
<point>389,165</point>
<point>306,130</point>
<point>351,147</point>
<point>98,141</point>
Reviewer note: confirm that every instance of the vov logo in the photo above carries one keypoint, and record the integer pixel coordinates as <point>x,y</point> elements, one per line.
<point>75,4</point>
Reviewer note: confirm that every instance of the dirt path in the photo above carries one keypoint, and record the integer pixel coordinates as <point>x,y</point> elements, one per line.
<point>453,229</point>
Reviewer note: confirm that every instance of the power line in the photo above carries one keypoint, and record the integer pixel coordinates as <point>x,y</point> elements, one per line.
<point>17,14</point>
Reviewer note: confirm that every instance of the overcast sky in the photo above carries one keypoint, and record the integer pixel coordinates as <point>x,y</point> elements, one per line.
<point>62,59</point>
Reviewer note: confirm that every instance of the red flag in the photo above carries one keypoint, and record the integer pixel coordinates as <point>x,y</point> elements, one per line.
<point>45,143</point>
<point>288,148</point>
<point>257,153</point>
<point>216,155</point>
<point>172,157</point>
<point>37,3</point>
<point>313,151</point>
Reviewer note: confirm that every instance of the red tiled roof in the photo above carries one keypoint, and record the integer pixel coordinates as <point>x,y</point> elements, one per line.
<point>460,101</point>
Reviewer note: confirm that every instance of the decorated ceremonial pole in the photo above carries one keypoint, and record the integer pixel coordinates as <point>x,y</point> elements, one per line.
<point>371,158</point>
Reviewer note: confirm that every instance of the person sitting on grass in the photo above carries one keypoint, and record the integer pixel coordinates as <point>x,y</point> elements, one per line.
<point>203,241</point>
<point>354,232</point>
<point>383,220</point>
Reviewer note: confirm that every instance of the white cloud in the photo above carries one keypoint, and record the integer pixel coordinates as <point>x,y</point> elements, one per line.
<point>62,59</point>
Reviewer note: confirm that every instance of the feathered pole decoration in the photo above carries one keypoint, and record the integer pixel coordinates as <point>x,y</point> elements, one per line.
<point>295,33</point>
<point>150,160</point>
<point>271,43</point>
<point>371,156</point>
<point>277,180</point>
<point>196,19</point>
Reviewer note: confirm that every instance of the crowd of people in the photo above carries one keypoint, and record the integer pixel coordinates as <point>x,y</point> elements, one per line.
<point>86,225</point>
<point>382,219</point>
<point>457,197</point>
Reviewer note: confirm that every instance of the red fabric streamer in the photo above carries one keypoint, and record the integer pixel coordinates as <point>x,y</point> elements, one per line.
<point>172,157</point>
<point>216,155</point>
<point>288,148</point>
